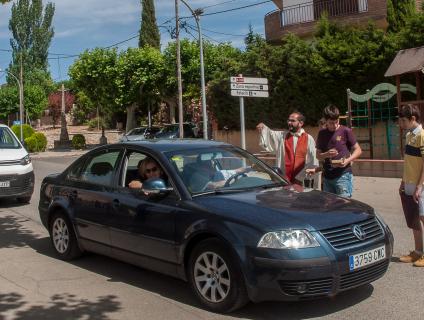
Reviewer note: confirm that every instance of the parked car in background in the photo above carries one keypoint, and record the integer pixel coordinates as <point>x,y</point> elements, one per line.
<point>218,218</point>
<point>140,133</point>
<point>16,171</point>
<point>172,131</point>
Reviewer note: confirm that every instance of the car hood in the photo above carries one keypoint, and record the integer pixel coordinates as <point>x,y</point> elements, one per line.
<point>280,208</point>
<point>12,154</point>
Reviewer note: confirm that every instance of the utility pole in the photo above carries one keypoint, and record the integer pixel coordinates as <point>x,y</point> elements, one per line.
<point>180,86</point>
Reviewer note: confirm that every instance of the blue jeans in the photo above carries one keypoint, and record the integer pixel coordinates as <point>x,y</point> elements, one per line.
<point>341,186</point>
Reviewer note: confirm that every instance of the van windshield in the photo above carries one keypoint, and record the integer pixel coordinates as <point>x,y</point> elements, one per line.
<point>8,139</point>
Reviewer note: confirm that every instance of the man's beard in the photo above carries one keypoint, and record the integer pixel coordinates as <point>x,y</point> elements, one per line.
<point>293,129</point>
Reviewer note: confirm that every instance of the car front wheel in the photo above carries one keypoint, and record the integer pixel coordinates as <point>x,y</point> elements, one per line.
<point>63,237</point>
<point>216,278</point>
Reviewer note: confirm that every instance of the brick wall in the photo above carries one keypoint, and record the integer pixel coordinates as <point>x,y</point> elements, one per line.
<point>377,12</point>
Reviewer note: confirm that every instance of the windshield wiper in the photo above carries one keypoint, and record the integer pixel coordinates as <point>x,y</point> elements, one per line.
<point>220,191</point>
<point>273,185</point>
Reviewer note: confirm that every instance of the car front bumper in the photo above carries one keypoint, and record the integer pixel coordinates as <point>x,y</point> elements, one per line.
<point>19,185</point>
<point>274,275</point>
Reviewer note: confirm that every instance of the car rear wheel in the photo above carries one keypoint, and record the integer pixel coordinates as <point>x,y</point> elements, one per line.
<point>63,237</point>
<point>216,278</point>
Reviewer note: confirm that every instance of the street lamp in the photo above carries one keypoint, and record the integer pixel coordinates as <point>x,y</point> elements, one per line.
<point>196,14</point>
<point>21,98</point>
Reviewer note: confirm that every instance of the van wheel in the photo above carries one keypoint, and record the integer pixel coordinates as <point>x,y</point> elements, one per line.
<point>216,278</point>
<point>24,199</point>
<point>63,237</point>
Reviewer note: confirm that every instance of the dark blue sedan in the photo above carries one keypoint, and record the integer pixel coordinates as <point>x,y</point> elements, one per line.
<point>218,218</point>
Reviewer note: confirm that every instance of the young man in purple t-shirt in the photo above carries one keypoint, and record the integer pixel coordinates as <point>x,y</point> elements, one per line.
<point>337,147</point>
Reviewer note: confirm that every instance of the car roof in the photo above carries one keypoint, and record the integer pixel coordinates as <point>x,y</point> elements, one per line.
<point>3,125</point>
<point>165,145</point>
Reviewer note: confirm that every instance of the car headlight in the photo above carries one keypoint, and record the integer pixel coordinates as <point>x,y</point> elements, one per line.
<point>288,239</point>
<point>25,160</point>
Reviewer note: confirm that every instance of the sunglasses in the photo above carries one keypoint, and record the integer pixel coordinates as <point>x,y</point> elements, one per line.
<point>151,170</point>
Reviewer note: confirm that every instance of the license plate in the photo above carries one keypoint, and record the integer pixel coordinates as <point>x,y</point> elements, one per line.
<point>366,258</point>
<point>4,184</point>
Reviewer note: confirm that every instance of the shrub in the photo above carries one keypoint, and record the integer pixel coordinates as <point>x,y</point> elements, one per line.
<point>78,141</point>
<point>27,130</point>
<point>37,142</point>
<point>92,124</point>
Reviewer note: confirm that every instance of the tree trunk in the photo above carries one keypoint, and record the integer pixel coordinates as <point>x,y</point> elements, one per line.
<point>130,117</point>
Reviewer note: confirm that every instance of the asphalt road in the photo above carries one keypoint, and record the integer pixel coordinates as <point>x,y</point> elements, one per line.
<point>36,285</point>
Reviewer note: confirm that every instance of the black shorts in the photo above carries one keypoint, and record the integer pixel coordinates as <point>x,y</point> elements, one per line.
<point>411,211</point>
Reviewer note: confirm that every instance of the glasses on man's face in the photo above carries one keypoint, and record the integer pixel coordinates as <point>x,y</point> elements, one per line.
<point>291,120</point>
<point>151,170</point>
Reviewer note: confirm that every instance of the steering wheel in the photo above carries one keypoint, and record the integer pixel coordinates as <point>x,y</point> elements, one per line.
<point>236,176</point>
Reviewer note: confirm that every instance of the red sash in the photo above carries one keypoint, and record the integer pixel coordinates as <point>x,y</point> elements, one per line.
<point>295,162</point>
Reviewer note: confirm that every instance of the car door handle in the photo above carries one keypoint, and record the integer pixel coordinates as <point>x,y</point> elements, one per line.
<point>116,204</point>
<point>73,195</point>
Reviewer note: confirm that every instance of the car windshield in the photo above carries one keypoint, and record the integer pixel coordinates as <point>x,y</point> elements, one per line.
<point>222,169</point>
<point>136,132</point>
<point>8,140</point>
<point>169,129</point>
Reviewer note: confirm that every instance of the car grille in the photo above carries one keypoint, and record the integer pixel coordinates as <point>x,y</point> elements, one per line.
<point>308,287</point>
<point>343,237</point>
<point>360,277</point>
<point>10,162</point>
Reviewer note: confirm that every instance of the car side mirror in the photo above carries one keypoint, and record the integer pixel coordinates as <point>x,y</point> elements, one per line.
<point>156,186</point>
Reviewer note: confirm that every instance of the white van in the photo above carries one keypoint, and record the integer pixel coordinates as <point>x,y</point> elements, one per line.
<point>16,171</point>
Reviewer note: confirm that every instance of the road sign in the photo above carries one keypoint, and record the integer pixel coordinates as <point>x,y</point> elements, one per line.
<point>249,93</point>
<point>249,80</point>
<point>248,86</point>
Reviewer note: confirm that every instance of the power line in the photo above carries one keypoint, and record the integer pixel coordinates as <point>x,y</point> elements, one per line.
<point>234,9</point>
<point>219,4</point>
<point>217,32</point>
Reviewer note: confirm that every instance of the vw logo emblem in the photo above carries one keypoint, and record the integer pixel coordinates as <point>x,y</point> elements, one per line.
<point>359,232</point>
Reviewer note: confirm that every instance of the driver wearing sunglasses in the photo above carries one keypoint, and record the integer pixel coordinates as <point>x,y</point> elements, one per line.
<point>148,168</point>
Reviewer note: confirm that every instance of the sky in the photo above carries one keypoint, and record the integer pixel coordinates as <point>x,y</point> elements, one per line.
<point>86,24</point>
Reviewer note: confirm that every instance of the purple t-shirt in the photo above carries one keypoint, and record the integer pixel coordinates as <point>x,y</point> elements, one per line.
<point>342,140</point>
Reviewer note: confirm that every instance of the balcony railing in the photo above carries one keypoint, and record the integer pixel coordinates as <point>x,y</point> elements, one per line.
<point>312,11</point>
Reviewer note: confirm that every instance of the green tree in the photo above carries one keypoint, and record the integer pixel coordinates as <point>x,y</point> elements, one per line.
<point>149,31</point>
<point>32,33</point>
<point>93,74</point>
<point>140,77</point>
<point>9,100</point>
<point>398,13</point>
<point>35,100</point>
<point>412,35</point>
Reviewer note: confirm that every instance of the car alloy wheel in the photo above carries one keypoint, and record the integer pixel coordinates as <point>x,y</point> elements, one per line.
<point>60,235</point>
<point>215,276</point>
<point>63,237</point>
<point>212,277</point>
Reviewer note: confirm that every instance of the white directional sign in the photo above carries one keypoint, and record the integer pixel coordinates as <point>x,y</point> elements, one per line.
<point>249,80</point>
<point>249,93</point>
<point>248,86</point>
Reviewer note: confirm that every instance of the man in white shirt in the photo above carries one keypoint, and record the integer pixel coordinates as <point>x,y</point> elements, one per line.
<point>294,149</point>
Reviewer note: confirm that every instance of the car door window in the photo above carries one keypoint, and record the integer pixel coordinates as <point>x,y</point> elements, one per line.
<point>100,168</point>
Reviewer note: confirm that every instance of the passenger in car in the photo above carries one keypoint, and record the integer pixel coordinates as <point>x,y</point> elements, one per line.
<point>148,168</point>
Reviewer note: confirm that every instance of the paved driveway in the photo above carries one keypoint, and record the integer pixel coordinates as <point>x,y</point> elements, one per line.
<point>34,284</point>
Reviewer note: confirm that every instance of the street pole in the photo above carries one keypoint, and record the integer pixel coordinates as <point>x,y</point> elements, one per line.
<point>180,86</point>
<point>196,14</point>
<point>21,98</point>
<point>242,125</point>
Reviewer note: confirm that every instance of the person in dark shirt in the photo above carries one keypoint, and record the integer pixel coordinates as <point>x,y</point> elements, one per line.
<point>338,148</point>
